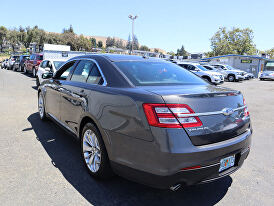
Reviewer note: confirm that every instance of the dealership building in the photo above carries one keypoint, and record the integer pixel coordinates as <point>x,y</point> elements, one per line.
<point>252,64</point>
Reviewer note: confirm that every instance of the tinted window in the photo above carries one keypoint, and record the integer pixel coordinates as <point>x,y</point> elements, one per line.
<point>145,73</point>
<point>95,76</point>
<point>82,70</point>
<point>44,64</point>
<point>39,57</point>
<point>32,57</point>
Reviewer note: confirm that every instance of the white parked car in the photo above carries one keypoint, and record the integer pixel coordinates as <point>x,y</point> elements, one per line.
<point>211,76</point>
<point>267,75</point>
<point>48,65</point>
<point>230,73</point>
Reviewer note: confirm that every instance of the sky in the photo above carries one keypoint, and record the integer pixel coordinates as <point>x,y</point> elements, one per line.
<point>164,24</point>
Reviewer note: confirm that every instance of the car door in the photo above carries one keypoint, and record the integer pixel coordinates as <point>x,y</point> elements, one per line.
<point>74,98</point>
<point>53,90</point>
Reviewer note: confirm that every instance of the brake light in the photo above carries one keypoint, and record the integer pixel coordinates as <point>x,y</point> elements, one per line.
<point>170,115</point>
<point>246,109</point>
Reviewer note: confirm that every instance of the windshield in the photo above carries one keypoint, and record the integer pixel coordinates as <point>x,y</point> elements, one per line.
<point>142,73</point>
<point>58,64</point>
<point>201,67</point>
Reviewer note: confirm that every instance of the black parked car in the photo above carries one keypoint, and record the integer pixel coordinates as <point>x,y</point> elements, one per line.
<point>147,119</point>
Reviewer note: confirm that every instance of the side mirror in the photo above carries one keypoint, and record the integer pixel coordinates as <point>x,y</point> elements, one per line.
<point>47,75</point>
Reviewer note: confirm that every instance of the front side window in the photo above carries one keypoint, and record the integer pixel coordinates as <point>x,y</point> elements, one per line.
<point>150,73</point>
<point>65,71</point>
<point>82,71</point>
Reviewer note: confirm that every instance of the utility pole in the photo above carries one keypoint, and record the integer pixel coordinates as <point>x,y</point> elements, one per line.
<point>132,18</point>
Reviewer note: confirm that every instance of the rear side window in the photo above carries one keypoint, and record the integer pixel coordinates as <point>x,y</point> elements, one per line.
<point>95,76</point>
<point>82,71</point>
<point>150,73</point>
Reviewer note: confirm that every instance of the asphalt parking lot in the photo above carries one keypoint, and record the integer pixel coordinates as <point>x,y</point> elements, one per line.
<point>40,164</point>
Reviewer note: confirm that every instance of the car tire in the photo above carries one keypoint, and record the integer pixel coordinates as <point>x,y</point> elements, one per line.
<point>262,79</point>
<point>94,154</point>
<point>37,82</point>
<point>13,68</point>
<point>25,70</point>
<point>41,107</point>
<point>33,72</point>
<point>20,68</point>
<point>231,78</point>
<point>207,79</point>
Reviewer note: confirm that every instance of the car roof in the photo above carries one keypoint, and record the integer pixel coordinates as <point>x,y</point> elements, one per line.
<point>121,57</point>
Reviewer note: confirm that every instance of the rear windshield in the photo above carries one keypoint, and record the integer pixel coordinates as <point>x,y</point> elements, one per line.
<point>142,73</point>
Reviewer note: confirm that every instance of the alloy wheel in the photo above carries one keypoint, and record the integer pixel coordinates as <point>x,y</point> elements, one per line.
<point>41,106</point>
<point>91,151</point>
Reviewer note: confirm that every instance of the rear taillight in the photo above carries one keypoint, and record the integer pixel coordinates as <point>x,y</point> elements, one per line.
<point>170,115</point>
<point>246,109</point>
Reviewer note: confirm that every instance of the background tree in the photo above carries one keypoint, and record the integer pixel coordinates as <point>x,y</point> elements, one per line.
<point>110,42</point>
<point>13,38</point>
<point>235,41</point>
<point>144,48</point>
<point>269,52</point>
<point>156,50</point>
<point>182,51</point>
<point>135,43</point>
<point>83,44</point>
<point>93,42</point>
<point>128,46</point>
<point>100,44</point>
<point>3,36</point>
<point>119,44</point>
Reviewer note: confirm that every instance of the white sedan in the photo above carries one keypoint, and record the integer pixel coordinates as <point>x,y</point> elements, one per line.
<point>48,65</point>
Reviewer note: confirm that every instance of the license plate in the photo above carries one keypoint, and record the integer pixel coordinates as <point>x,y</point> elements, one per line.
<point>227,163</point>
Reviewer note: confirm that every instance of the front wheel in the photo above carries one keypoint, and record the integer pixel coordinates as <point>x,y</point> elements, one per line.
<point>25,70</point>
<point>37,82</point>
<point>231,78</point>
<point>94,153</point>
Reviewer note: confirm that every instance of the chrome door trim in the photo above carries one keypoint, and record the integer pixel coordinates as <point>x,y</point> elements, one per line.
<point>57,120</point>
<point>208,113</point>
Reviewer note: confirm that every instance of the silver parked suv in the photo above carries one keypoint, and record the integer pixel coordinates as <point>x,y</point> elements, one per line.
<point>211,76</point>
<point>230,73</point>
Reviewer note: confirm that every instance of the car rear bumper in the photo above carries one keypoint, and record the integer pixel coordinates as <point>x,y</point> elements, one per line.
<point>168,168</point>
<point>205,174</point>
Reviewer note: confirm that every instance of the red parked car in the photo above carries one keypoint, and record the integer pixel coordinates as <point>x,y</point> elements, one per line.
<point>33,63</point>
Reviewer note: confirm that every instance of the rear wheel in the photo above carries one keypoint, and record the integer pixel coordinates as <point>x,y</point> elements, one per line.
<point>41,107</point>
<point>94,153</point>
<point>33,72</point>
<point>231,78</point>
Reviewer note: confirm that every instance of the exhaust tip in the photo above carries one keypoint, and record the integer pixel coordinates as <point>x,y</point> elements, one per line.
<point>175,187</point>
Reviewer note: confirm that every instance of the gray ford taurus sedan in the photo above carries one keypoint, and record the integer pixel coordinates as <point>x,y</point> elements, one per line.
<point>147,120</point>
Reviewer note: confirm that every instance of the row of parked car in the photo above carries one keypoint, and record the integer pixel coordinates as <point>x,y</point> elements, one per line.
<point>34,64</point>
<point>216,73</point>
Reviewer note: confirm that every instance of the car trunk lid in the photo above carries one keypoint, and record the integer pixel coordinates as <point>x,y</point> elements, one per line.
<point>221,110</point>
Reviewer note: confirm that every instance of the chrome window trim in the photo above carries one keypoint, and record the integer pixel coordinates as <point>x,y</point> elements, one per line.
<point>57,120</point>
<point>99,68</point>
<point>208,113</point>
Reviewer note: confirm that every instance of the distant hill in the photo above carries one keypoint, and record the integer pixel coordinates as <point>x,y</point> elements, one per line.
<point>104,39</point>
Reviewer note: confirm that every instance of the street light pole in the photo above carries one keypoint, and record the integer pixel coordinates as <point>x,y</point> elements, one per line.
<point>132,18</point>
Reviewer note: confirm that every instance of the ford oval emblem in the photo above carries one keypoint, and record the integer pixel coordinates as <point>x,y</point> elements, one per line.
<point>227,111</point>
